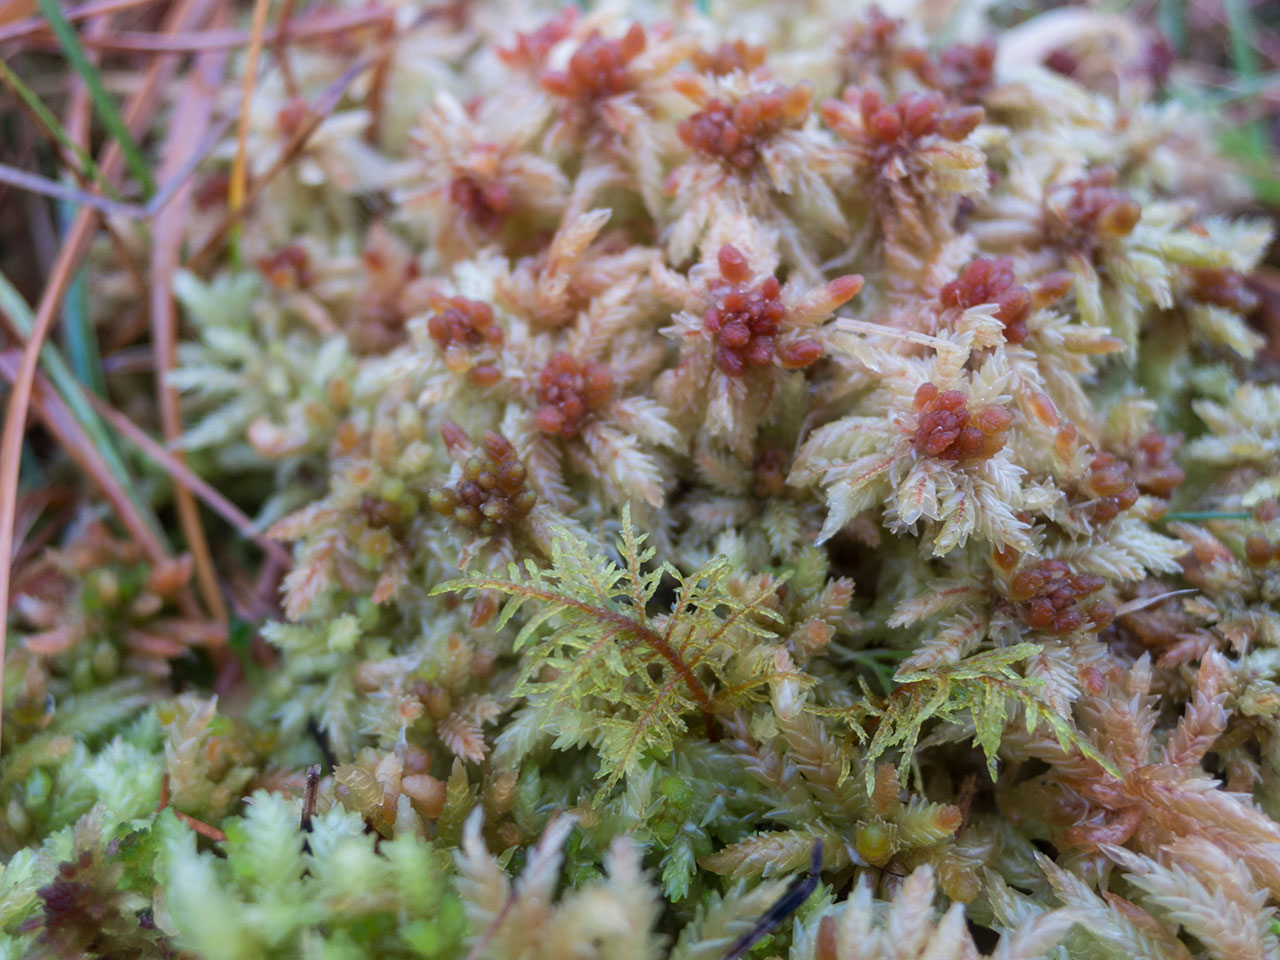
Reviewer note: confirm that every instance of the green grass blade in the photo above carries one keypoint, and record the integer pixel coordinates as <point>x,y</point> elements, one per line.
<point>1249,144</point>
<point>105,107</point>
<point>89,170</point>
<point>71,391</point>
<point>1173,21</point>
<point>1240,34</point>
<point>78,335</point>
<point>1206,515</point>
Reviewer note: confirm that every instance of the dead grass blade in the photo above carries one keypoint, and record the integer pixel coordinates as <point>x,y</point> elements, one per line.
<point>278,38</point>
<point>73,394</point>
<point>57,417</point>
<point>32,505</point>
<point>65,192</point>
<point>317,111</point>
<point>235,191</point>
<point>182,474</point>
<point>184,14</point>
<point>280,46</point>
<point>34,25</point>
<point>191,120</point>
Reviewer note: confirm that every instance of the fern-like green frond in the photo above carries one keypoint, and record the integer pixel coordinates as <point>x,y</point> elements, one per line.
<point>982,690</point>
<point>599,667</point>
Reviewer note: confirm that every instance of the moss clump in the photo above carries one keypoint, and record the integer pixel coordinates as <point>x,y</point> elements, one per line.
<point>758,484</point>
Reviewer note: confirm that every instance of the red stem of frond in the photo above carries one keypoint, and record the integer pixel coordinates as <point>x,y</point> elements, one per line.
<point>650,637</point>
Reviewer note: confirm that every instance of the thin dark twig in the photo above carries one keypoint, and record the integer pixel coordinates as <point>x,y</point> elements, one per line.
<point>322,742</point>
<point>309,799</point>
<point>800,889</point>
<point>168,461</point>
<point>280,47</point>
<point>317,111</point>
<point>61,191</point>
<point>301,31</point>
<point>24,28</point>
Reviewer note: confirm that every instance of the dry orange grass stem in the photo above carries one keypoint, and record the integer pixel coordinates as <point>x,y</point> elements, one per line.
<point>188,25</point>
<point>184,15</point>
<point>235,191</point>
<point>199,826</point>
<point>191,121</point>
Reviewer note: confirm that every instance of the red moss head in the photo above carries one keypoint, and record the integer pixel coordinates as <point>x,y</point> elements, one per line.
<point>1053,599</point>
<point>771,471</point>
<point>389,297</point>
<point>485,204</point>
<point>962,72</point>
<point>530,50</point>
<point>734,133</point>
<point>1110,486</point>
<point>598,68</point>
<point>946,430</point>
<point>492,493</point>
<point>872,36</point>
<point>873,48</point>
<point>729,57</point>
<point>459,327</point>
<point>569,392</point>
<point>915,115</point>
<point>992,281</point>
<point>289,268</point>
<point>1097,209</point>
<point>1223,288</point>
<point>745,321</point>
<point>1258,550</point>
<point>1155,470</point>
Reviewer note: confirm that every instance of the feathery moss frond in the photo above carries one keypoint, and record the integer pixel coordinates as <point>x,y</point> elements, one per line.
<point>977,691</point>
<point>599,667</point>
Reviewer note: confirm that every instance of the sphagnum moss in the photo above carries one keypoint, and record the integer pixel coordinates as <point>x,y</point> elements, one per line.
<point>764,480</point>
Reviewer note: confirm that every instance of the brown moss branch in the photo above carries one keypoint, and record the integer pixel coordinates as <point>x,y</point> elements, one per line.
<point>641,631</point>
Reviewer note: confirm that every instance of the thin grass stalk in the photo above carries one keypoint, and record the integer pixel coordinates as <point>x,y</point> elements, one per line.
<point>191,120</point>
<point>278,38</point>
<point>176,466</point>
<point>280,45</point>
<point>86,455</point>
<point>45,119</point>
<point>72,394</point>
<point>34,183</point>
<point>183,14</point>
<point>239,166</point>
<point>34,25</point>
<point>77,326</point>
<point>103,104</point>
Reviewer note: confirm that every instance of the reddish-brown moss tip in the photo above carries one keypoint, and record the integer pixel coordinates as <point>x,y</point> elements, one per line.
<point>492,493</point>
<point>598,68</point>
<point>569,392</point>
<point>992,281</point>
<point>1050,597</point>
<point>736,132</point>
<point>946,430</point>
